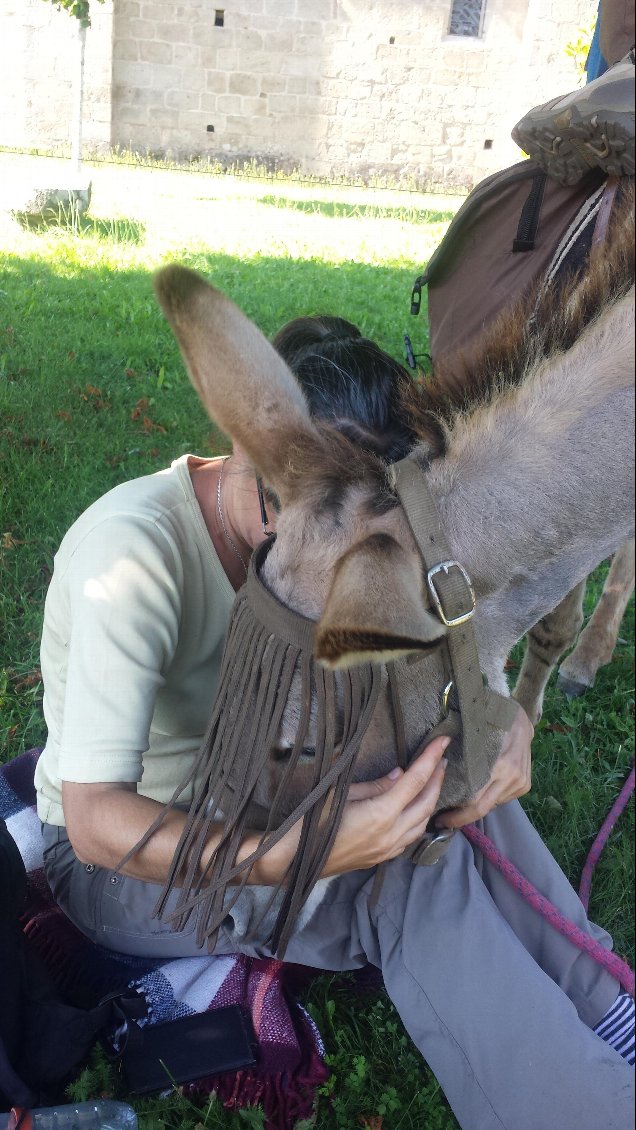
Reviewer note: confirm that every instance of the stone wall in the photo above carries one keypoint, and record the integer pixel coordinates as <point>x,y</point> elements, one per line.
<point>333,87</point>
<point>39,57</point>
<point>355,87</point>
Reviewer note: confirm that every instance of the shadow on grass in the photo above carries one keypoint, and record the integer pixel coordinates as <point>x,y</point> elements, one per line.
<point>337,209</point>
<point>116,230</point>
<point>93,390</point>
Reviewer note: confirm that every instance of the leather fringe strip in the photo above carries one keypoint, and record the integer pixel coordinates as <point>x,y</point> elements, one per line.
<point>267,648</point>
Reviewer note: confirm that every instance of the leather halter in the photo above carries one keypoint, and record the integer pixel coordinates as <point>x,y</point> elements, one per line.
<point>468,706</point>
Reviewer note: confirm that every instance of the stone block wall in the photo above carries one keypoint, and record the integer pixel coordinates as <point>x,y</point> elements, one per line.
<point>349,87</point>
<point>39,57</point>
<point>354,88</point>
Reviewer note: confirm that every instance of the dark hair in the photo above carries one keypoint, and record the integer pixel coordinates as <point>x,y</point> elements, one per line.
<point>349,382</point>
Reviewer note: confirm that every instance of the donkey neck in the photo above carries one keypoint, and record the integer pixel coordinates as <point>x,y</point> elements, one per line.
<point>509,487</point>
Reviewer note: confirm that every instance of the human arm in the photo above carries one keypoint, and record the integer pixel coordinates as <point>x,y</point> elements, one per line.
<point>381,818</point>
<point>511,776</point>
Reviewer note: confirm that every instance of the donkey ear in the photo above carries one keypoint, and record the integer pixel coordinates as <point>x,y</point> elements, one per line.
<point>245,386</point>
<point>375,611</point>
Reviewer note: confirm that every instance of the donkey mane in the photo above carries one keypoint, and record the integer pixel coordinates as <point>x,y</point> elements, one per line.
<point>543,324</point>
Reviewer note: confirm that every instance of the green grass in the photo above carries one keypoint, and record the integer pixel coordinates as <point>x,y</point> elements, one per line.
<point>93,391</point>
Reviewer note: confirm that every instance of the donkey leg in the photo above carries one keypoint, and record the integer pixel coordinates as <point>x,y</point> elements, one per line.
<point>548,640</point>
<point>597,641</point>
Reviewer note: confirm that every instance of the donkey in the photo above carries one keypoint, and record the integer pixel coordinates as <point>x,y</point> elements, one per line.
<point>531,470</point>
<point>559,631</point>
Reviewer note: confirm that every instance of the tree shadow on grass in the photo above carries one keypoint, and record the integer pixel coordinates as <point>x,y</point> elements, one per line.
<point>119,230</point>
<point>93,389</point>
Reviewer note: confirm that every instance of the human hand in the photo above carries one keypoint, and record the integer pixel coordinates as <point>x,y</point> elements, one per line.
<point>511,776</point>
<point>382,818</point>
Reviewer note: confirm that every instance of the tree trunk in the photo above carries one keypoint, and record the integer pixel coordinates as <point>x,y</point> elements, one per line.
<point>78,99</point>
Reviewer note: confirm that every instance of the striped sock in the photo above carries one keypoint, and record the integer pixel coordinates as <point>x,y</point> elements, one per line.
<point>617,1027</point>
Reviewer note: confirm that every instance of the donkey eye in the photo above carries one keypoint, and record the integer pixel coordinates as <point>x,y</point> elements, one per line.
<point>282,754</point>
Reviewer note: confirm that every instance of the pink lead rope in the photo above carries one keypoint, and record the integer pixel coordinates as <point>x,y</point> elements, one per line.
<point>602,838</point>
<point>610,961</point>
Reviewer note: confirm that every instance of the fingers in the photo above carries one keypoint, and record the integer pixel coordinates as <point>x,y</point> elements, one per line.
<point>364,790</point>
<point>417,814</point>
<point>400,816</point>
<point>419,773</point>
<point>484,802</point>
<point>412,780</point>
<point>496,792</point>
<point>511,776</point>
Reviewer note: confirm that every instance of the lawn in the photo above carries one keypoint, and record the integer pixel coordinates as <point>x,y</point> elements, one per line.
<point>93,391</point>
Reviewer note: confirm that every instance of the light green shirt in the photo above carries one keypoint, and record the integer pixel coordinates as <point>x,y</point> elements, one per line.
<point>134,626</point>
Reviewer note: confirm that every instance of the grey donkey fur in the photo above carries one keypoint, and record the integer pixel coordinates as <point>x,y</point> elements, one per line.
<point>559,631</point>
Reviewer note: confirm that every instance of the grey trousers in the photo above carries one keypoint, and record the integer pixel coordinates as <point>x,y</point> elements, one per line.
<point>499,1004</point>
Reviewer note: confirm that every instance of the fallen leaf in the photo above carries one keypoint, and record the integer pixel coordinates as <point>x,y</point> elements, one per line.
<point>139,408</point>
<point>92,395</point>
<point>9,542</point>
<point>66,416</point>
<point>31,680</point>
<point>37,441</point>
<point>148,425</point>
<point>554,804</point>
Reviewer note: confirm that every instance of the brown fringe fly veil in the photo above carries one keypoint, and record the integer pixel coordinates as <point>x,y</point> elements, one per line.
<point>266,645</point>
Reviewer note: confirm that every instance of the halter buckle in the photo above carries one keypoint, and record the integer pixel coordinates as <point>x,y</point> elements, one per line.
<point>446,693</point>
<point>432,847</point>
<point>445,567</point>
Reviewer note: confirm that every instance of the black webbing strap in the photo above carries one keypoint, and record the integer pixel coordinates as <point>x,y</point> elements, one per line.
<point>529,218</point>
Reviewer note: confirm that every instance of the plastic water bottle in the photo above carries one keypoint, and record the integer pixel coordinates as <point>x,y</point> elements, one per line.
<point>102,1114</point>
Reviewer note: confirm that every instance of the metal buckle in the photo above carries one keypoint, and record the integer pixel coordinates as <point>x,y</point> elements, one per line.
<point>446,693</point>
<point>432,847</point>
<point>444,567</point>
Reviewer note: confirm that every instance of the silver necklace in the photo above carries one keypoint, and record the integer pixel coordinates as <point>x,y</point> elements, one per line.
<point>231,544</point>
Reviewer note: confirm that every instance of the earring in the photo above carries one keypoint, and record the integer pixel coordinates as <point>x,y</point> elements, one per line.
<point>261,503</point>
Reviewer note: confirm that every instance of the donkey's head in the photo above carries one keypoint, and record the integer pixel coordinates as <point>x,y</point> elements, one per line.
<point>344,555</point>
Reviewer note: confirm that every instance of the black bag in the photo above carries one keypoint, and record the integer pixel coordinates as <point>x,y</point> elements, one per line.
<point>43,1039</point>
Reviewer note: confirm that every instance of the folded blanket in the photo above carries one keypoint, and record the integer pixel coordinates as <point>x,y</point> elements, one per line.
<point>290,1052</point>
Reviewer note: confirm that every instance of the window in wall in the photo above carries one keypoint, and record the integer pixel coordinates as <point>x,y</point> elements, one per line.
<point>219,17</point>
<point>467,17</point>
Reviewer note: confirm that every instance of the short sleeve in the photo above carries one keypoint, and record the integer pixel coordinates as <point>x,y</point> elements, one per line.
<point>124,587</point>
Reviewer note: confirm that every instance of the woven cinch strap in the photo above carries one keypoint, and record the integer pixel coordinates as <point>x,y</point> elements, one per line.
<point>268,646</point>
